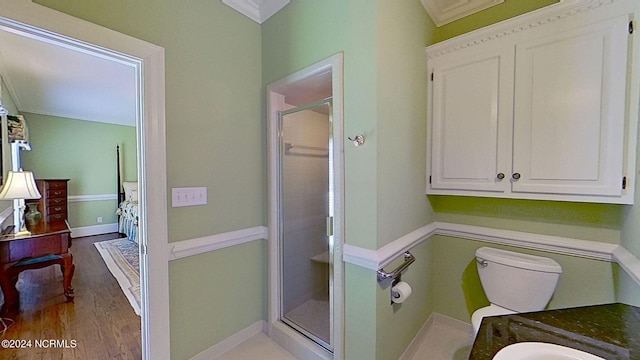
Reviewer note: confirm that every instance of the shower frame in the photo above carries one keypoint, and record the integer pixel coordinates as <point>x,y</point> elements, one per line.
<point>293,341</point>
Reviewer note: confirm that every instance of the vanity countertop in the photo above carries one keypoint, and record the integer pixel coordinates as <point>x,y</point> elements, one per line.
<point>611,331</point>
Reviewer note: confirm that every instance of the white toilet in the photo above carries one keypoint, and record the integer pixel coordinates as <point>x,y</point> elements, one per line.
<point>514,282</point>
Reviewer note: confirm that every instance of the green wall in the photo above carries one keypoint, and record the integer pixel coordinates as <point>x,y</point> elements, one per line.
<point>307,31</point>
<point>215,139</point>
<point>85,153</point>
<point>385,100</point>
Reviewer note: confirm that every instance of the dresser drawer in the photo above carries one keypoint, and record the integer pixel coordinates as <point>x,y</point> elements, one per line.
<point>56,193</point>
<point>56,185</point>
<point>57,209</point>
<point>53,204</point>
<point>56,217</point>
<point>57,201</point>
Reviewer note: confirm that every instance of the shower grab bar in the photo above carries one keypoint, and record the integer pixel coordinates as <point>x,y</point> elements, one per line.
<point>408,260</point>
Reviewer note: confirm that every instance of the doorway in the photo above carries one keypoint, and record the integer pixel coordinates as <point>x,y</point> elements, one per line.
<point>306,188</point>
<point>147,60</point>
<point>306,211</point>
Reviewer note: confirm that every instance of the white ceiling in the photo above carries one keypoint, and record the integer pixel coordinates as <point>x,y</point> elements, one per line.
<point>57,80</point>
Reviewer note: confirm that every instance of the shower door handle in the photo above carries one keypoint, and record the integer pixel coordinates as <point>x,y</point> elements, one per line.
<point>329,225</point>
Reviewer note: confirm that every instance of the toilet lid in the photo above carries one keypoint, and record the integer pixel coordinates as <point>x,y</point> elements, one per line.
<point>491,310</point>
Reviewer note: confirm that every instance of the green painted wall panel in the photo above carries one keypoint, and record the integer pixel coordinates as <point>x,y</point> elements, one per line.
<point>597,222</point>
<point>216,303</point>
<point>360,308</point>
<point>85,153</point>
<point>401,102</point>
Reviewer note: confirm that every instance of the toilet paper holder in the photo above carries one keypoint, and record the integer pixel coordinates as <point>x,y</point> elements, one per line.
<point>395,274</point>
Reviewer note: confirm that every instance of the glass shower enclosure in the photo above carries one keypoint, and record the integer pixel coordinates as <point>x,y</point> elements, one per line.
<point>306,213</point>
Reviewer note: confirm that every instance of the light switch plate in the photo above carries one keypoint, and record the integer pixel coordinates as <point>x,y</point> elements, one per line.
<point>189,196</point>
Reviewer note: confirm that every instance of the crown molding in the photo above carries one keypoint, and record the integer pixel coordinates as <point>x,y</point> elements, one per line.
<point>523,23</point>
<point>257,10</point>
<point>445,12</point>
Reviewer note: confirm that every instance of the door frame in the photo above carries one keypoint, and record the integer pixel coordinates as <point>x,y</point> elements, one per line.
<point>279,332</point>
<point>39,22</point>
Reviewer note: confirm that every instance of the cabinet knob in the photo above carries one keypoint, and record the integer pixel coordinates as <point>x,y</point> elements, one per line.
<point>500,176</point>
<point>515,176</point>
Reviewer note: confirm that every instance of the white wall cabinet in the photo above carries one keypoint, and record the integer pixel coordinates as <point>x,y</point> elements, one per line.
<point>547,112</point>
<point>472,102</point>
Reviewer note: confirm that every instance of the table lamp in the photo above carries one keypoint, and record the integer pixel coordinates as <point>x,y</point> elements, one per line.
<point>20,185</point>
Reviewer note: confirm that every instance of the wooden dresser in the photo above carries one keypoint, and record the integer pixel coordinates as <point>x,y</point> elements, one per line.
<point>53,204</point>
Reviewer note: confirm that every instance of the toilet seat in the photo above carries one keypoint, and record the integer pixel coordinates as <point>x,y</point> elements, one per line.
<point>491,310</point>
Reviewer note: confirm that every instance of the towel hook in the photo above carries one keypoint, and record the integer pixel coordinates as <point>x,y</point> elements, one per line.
<point>357,140</point>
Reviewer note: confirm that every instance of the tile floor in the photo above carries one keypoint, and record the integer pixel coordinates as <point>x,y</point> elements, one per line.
<point>441,341</point>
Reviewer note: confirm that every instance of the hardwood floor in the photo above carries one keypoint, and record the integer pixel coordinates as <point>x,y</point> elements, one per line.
<point>99,324</point>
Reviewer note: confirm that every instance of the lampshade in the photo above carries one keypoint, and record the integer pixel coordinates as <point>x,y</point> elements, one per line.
<point>20,185</point>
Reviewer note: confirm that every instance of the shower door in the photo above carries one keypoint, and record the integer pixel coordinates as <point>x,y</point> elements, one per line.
<point>306,213</point>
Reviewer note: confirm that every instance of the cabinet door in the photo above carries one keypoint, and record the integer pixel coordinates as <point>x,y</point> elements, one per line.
<point>570,110</point>
<point>471,112</point>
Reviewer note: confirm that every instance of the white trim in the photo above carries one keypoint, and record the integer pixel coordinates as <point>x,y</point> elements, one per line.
<point>181,249</point>
<point>556,244</point>
<point>628,262</point>
<point>443,13</point>
<point>40,22</point>
<point>232,341</point>
<point>96,197</point>
<point>275,103</point>
<point>374,260</point>
<point>518,24</point>
<point>94,230</point>
<point>257,10</point>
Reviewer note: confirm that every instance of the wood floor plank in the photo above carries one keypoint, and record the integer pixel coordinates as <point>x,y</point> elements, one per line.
<point>99,324</point>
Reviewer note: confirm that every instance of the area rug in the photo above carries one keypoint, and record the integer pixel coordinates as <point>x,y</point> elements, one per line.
<point>122,259</point>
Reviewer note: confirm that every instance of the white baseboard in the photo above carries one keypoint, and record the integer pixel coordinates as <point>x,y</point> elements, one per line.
<point>232,341</point>
<point>433,320</point>
<point>94,230</point>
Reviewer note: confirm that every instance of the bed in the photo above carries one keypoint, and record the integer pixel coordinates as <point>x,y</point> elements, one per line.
<point>127,204</point>
<point>128,211</point>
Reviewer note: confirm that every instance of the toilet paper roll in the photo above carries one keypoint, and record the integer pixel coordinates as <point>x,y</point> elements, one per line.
<point>401,292</point>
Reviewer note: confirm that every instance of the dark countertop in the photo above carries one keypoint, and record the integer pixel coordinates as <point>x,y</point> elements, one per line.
<point>611,331</point>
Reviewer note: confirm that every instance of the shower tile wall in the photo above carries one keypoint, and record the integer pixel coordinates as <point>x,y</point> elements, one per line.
<point>305,179</point>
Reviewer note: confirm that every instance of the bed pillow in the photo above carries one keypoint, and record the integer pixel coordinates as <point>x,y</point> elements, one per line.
<point>130,190</point>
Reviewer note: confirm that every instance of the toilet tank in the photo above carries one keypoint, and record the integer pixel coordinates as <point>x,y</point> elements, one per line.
<point>518,282</point>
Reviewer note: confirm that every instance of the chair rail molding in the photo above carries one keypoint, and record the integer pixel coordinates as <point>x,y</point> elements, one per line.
<point>376,259</point>
<point>257,10</point>
<point>184,248</point>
